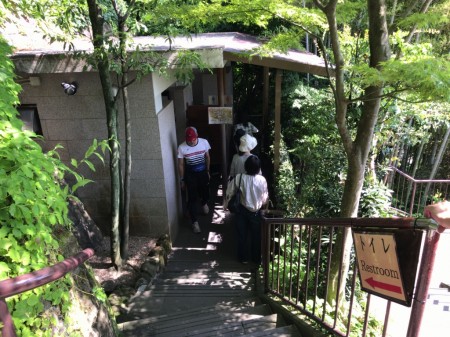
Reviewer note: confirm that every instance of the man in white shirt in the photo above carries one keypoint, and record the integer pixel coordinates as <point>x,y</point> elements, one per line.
<point>193,167</point>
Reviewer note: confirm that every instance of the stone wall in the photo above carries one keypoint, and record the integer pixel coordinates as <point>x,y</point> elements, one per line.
<point>74,121</point>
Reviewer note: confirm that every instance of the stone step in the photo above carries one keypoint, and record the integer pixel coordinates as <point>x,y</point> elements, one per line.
<point>285,331</point>
<point>231,305</point>
<point>195,320</point>
<point>238,325</point>
<point>202,277</point>
<point>195,266</point>
<point>202,284</point>
<point>147,306</point>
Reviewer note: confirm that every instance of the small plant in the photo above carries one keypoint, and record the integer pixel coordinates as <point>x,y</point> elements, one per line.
<point>32,203</point>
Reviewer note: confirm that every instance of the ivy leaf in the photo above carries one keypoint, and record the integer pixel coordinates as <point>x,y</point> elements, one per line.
<point>33,300</point>
<point>52,219</point>
<point>14,255</point>
<point>4,269</point>
<point>26,258</point>
<point>5,244</point>
<point>4,231</point>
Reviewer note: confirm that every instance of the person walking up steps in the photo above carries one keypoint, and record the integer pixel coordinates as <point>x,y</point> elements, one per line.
<point>254,194</point>
<point>193,167</point>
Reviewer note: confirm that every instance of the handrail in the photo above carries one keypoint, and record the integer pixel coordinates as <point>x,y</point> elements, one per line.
<point>38,278</point>
<point>270,245</point>
<point>402,223</point>
<point>419,180</point>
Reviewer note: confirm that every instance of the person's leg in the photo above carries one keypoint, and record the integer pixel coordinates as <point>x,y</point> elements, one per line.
<point>203,186</point>
<point>192,190</point>
<point>255,229</point>
<point>241,233</point>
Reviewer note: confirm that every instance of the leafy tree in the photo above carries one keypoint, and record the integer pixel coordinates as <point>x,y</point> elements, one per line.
<point>33,206</point>
<point>112,24</point>
<point>356,38</point>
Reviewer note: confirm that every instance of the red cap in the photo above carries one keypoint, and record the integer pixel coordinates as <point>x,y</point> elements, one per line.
<point>191,134</point>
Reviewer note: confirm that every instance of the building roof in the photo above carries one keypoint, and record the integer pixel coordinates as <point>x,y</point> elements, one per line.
<point>32,54</point>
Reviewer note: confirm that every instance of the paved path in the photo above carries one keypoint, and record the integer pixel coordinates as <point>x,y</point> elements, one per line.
<point>436,319</point>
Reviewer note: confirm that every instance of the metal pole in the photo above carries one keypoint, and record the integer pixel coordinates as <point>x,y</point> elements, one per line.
<point>423,283</point>
<point>5,317</point>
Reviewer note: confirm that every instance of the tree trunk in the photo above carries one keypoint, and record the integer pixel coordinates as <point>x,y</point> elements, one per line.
<point>127,115</point>
<point>357,151</point>
<point>111,117</point>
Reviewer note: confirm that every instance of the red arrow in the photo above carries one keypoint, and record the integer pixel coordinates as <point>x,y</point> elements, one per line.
<point>386,286</point>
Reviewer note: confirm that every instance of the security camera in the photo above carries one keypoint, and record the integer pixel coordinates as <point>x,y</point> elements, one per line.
<point>70,88</point>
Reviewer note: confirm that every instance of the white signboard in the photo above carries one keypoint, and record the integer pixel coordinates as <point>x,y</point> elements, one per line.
<point>220,115</point>
<point>378,265</point>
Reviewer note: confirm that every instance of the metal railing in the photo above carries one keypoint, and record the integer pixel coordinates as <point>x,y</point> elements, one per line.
<point>411,195</point>
<point>22,283</point>
<point>297,256</point>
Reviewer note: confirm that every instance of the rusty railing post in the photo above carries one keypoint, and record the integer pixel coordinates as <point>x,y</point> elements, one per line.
<point>8,329</point>
<point>423,283</point>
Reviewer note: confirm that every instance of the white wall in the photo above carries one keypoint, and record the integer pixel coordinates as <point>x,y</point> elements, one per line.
<point>168,139</point>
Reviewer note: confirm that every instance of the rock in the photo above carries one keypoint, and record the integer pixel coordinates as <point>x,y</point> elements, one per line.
<point>109,286</point>
<point>141,282</point>
<point>89,315</point>
<point>150,268</point>
<point>119,299</point>
<point>84,228</point>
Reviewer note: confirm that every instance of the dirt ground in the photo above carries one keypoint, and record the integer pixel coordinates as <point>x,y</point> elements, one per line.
<point>110,278</point>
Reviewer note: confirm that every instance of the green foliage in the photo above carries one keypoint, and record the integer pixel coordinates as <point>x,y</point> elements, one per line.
<point>99,294</point>
<point>32,203</point>
<point>286,186</point>
<point>309,182</point>
<point>375,200</point>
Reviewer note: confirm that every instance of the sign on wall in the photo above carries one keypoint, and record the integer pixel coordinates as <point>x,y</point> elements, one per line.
<point>220,115</point>
<point>387,262</point>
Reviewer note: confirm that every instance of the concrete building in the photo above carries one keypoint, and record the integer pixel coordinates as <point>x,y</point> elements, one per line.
<point>159,114</point>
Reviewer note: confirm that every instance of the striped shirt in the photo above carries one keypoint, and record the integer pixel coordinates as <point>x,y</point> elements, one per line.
<point>194,155</point>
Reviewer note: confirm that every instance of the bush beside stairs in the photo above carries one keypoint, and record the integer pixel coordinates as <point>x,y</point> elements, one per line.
<point>202,293</point>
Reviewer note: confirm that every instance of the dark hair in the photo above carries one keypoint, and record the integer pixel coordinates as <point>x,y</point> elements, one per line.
<point>252,165</point>
<point>242,117</point>
<point>237,137</point>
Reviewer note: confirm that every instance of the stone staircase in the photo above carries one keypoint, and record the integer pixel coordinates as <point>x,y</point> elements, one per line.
<point>202,293</point>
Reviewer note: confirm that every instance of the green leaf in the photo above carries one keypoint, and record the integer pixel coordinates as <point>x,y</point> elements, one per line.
<point>32,300</point>
<point>4,231</point>
<point>4,269</point>
<point>14,255</point>
<point>5,244</point>
<point>91,166</point>
<point>17,233</point>
<point>81,183</point>
<point>26,259</point>
<point>52,219</point>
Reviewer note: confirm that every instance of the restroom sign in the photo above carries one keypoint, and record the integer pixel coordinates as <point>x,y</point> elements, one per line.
<point>383,267</point>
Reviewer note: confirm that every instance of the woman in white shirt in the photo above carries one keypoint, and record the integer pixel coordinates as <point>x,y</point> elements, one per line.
<point>254,194</point>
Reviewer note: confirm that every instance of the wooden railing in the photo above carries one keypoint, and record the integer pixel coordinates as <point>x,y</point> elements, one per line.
<point>22,283</point>
<point>297,255</point>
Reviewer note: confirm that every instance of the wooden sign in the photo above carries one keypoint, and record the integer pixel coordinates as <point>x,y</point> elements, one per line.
<point>220,115</point>
<point>387,262</point>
